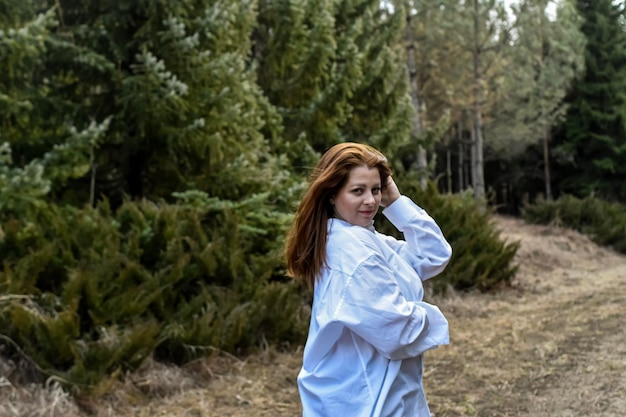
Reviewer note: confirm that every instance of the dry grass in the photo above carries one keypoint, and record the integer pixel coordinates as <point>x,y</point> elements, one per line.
<point>553,345</point>
<point>33,400</point>
<point>550,347</point>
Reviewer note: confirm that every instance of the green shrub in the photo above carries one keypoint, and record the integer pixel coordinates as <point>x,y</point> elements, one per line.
<point>100,292</point>
<point>89,294</point>
<point>480,258</point>
<point>604,222</point>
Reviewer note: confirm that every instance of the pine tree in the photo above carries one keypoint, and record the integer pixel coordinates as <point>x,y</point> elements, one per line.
<point>592,144</point>
<point>544,59</point>
<point>335,71</point>
<point>176,78</point>
<point>464,70</point>
<point>138,99</point>
<point>40,147</point>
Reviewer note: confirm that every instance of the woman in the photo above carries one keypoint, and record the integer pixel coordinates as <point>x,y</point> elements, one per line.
<point>369,326</point>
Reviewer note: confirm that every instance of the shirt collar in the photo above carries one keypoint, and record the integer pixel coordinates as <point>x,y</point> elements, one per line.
<point>344,223</point>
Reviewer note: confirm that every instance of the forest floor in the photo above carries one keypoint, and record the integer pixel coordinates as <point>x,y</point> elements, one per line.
<point>553,344</point>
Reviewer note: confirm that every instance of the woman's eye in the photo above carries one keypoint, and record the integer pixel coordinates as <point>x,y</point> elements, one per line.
<point>357,191</point>
<point>376,190</point>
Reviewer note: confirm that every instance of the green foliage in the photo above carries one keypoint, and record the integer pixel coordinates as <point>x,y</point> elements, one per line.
<point>604,222</point>
<point>102,291</point>
<point>480,258</point>
<point>543,63</point>
<point>20,188</point>
<point>40,138</point>
<point>184,125</point>
<point>22,48</point>
<point>139,100</point>
<point>335,71</point>
<point>592,143</point>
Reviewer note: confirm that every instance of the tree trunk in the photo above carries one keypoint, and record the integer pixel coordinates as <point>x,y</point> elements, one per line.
<point>92,182</point>
<point>545,131</point>
<point>416,123</point>
<point>449,163</point>
<point>546,165</point>
<point>461,162</point>
<point>473,157</point>
<point>478,179</point>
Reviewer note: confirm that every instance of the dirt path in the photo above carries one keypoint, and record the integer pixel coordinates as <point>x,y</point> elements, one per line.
<point>588,365</point>
<point>587,362</point>
<point>553,346</point>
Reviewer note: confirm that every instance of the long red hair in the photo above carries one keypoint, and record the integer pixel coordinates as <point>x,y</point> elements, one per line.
<point>306,240</point>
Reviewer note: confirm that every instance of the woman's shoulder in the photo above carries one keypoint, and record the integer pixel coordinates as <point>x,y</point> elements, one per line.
<point>340,231</point>
<point>348,246</point>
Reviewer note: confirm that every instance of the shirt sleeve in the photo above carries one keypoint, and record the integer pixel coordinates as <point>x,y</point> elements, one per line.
<point>372,306</point>
<point>424,248</point>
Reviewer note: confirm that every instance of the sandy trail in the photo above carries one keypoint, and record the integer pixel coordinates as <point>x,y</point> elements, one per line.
<point>554,345</point>
<point>590,364</point>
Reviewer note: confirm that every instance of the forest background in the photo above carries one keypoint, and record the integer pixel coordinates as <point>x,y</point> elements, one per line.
<point>153,153</point>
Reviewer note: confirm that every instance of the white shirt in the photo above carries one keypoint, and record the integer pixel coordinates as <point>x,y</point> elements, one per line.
<point>369,326</point>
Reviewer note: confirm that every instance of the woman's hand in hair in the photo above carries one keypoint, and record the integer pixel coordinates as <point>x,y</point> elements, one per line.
<point>390,193</point>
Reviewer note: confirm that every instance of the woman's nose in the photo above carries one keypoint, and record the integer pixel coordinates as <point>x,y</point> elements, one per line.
<point>369,198</point>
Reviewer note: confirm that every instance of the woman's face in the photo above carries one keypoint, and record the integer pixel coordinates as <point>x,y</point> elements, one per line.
<point>358,200</point>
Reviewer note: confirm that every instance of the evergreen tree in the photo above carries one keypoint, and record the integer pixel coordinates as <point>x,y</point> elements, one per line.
<point>39,144</point>
<point>161,94</point>
<point>214,95</point>
<point>335,71</point>
<point>543,60</point>
<point>465,69</point>
<point>592,141</point>
<point>189,112</point>
<point>21,48</point>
